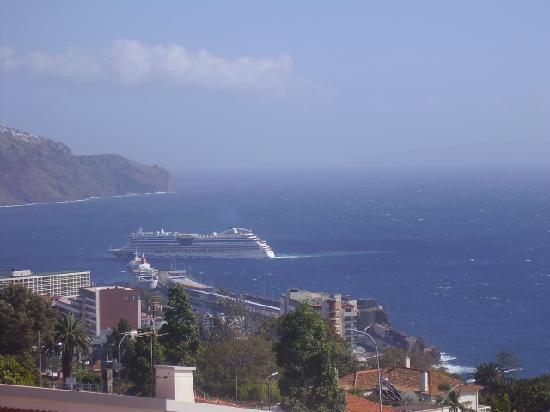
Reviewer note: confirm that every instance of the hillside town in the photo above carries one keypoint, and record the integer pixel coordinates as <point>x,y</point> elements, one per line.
<point>408,378</point>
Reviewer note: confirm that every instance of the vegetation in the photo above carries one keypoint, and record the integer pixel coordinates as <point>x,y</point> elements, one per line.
<point>235,353</point>
<point>454,404</point>
<point>505,393</point>
<point>70,339</point>
<point>43,170</point>
<point>181,332</point>
<point>85,375</point>
<point>343,360</point>
<point>22,315</point>
<point>137,359</point>
<point>309,380</point>
<point>395,357</point>
<point>114,339</point>
<point>236,366</point>
<point>14,371</point>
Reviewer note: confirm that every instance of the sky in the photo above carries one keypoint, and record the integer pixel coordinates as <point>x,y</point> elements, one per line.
<point>283,85</point>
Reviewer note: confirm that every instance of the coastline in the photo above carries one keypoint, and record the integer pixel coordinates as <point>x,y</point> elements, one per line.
<point>86,199</point>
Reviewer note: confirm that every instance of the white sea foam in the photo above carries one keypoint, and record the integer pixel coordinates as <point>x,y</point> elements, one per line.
<point>87,199</point>
<point>447,363</point>
<point>336,253</point>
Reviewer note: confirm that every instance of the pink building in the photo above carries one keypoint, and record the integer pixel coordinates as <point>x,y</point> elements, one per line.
<point>102,307</point>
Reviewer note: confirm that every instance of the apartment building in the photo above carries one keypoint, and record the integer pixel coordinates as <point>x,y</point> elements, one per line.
<point>340,312</point>
<point>102,307</point>
<point>47,284</point>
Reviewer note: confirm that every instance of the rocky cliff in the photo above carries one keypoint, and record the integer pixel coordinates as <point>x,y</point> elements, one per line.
<point>36,169</point>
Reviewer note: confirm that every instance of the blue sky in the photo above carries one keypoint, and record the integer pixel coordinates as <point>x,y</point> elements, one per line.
<point>229,85</point>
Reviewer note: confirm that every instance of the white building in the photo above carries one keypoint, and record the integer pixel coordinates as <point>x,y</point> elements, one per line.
<point>47,284</point>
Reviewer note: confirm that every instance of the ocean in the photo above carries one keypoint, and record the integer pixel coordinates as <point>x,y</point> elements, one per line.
<point>462,259</point>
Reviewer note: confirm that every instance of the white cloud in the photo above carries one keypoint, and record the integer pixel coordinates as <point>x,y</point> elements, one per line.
<point>130,62</point>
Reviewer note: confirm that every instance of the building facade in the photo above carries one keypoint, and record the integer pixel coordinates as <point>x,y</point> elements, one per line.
<point>340,312</point>
<point>102,308</point>
<point>47,284</point>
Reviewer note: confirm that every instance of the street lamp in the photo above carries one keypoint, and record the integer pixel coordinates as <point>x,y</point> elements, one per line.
<point>124,335</point>
<point>269,388</point>
<point>152,334</point>
<point>364,332</point>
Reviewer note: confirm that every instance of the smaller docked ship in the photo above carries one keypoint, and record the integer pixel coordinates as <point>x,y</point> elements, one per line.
<point>139,266</point>
<point>148,280</point>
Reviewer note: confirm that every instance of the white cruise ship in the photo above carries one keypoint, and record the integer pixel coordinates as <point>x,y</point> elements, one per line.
<point>231,243</point>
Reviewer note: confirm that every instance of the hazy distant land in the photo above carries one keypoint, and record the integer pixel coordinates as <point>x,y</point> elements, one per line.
<point>37,169</point>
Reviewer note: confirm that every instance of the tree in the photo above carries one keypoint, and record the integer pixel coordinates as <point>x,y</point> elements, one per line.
<point>181,339</point>
<point>13,372</point>
<point>453,401</point>
<point>71,339</point>
<point>138,368</point>
<point>341,355</point>
<point>506,393</point>
<point>506,361</point>
<point>85,375</point>
<point>113,340</point>
<point>309,380</point>
<point>490,375</point>
<point>22,315</point>
<point>236,363</point>
<point>529,395</point>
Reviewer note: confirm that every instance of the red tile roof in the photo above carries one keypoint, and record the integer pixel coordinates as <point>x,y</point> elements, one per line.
<point>404,379</point>
<point>357,404</point>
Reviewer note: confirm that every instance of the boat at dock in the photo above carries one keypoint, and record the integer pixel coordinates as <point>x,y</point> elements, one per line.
<point>139,266</point>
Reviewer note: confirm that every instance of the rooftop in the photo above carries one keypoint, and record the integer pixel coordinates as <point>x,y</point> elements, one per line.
<point>358,404</point>
<point>404,379</point>
<point>17,273</point>
<point>96,288</point>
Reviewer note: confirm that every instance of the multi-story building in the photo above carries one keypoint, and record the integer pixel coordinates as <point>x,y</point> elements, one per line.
<point>102,307</point>
<point>340,312</point>
<point>47,284</point>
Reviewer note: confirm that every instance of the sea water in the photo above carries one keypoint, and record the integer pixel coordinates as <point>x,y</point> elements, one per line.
<point>461,259</point>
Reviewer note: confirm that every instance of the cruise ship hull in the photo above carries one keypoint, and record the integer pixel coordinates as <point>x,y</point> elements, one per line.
<point>234,243</point>
<point>126,253</point>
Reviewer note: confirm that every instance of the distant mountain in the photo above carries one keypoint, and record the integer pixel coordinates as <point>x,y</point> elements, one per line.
<point>36,169</point>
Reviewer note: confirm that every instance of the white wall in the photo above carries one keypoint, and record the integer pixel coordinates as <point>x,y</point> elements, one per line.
<point>30,397</point>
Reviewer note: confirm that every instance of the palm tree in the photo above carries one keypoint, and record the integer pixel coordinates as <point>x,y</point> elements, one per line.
<point>490,375</point>
<point>71,337</point>
<point>453,401</point>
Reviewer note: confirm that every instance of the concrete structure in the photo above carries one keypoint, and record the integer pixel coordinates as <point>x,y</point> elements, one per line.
<point>394,337</point>
<point>102,308</point>
<point>205,300</point>
<point>174,393</point>
<point>175,382</point>
<point>30,398</point>
<point>47,284</point>
<point>369,312</point>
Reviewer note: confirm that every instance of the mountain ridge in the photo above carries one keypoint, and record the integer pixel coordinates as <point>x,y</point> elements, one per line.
<point>35,169</point>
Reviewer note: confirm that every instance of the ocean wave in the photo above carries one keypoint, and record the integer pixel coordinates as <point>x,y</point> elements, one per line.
<point>447,363</point>
<point>336,253</point>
